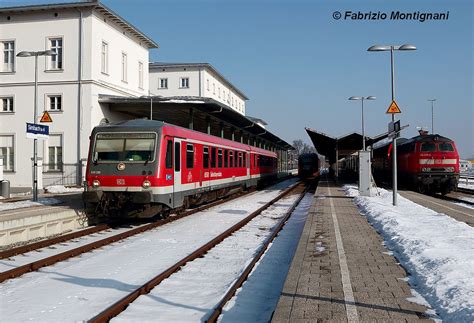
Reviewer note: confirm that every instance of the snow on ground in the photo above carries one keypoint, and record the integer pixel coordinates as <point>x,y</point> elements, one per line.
<point>256,300</point>
<point>437,251</point>
<point>466,182</point>
<point>191,293</point>
<point>81,287</point>
<point>59,189</point>
<point>28,203</point>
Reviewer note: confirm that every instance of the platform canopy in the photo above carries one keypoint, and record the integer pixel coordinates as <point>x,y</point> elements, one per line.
<point>198,113</point>
<point>346,145</point>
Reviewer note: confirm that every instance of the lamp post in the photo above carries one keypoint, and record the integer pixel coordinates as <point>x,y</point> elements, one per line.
<point>35,115</point>
<point>392,48</point>
<point>432,115</point>
<point>361,98</point>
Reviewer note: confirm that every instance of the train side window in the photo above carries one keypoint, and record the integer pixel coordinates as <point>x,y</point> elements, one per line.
<point>177,157</point>
<point>205,157</point>
<point>240,159</point>
<point>219,158</point>
<point>226,158</point>
<point>213,157</point>
<point>445,146</point>
<point>428,147</point>
<point>189,156</point>
<point>255,161</point>
<point>231,159</point>
<point>236,159</point>
<point>169,154</point>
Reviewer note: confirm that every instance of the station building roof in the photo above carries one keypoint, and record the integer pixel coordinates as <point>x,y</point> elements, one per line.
<point>346,145</point>
<point>92,4</point>
<point>178,111</point>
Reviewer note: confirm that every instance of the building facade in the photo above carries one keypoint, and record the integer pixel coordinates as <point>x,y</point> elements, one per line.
<point>195,79</point>
<point>97,52</point>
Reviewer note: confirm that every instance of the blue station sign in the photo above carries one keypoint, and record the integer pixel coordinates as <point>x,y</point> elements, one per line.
<point>37,131</point>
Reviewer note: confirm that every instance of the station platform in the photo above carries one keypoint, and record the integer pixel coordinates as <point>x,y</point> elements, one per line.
<point>32,222</point>
<point>341,272</point>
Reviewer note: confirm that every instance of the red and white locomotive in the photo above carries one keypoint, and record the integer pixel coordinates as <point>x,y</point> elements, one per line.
<point>141,168</point>
<point>427,163</point>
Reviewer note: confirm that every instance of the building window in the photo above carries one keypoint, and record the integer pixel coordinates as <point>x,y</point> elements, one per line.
<point>56,45</point>
<point>55,102</point>
<point>140,75</point>
<point>104,59</point>
<point>7,104</point>
<point>208,85</point>
<point>163,84</point>
<point>214,88</point>
<point>7,152</point>
<point>219,92</point>
<point>184,82</point>
<point>55,153</point>
<point>8,56</point>
<point>124,67</point>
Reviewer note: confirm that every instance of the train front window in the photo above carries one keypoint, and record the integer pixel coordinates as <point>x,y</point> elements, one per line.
<point>124,147</point>
<point>445,146</point>
<point>428,147</point>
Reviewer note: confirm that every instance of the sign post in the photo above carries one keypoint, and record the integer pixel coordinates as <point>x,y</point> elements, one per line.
<point>394,109</point>
<point>36,131</point>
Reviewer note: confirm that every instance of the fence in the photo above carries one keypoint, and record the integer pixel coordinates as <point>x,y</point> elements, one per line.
<point>63,174</point>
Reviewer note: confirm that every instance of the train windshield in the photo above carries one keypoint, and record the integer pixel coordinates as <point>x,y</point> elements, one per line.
<point>428,147</point>
<point>124,147</point>
<point>445,146</point>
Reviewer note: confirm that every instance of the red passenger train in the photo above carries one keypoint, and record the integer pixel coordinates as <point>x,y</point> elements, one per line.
<point>141,168</point>
<point>427,163</point>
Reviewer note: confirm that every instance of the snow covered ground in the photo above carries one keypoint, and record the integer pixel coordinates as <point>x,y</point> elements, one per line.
<point>28,203</point>
<point>466,182</point>
<point>436,250</point>
<point>81,287</point>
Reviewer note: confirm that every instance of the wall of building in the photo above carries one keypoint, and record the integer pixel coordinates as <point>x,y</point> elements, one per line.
<point>174,74</point>
<point>214,87</point>
<point>31,31</point>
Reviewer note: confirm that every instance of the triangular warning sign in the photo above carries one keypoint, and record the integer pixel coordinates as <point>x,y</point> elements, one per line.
<point>46,117</point>
<point>393,108</point>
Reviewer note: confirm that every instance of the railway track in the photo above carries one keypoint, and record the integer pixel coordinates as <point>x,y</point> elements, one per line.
<point>62,256</point>
<point>123,303</point>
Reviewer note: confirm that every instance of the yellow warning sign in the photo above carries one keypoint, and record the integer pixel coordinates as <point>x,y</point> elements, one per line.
<point>46,117</point>
<point>393,108</point>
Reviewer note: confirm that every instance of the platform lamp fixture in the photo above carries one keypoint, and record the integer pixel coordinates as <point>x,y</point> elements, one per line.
<point>432,115</point>
<point>35,115</point>
<point>362,98</point>
<point>392,48</point>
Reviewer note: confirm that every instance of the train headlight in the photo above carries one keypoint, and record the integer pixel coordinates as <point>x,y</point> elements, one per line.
<point>146,184</point>
<point>426,169</point>
<point>95,183</point>
<point>450,169</point>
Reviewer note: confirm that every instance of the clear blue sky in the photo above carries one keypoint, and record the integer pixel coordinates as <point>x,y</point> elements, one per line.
<point>298,65</point>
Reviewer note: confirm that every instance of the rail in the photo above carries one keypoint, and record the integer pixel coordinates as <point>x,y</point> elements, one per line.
<point>120,305</point>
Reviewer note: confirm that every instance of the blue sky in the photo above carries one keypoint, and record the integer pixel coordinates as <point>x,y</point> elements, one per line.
<point>298,65</point>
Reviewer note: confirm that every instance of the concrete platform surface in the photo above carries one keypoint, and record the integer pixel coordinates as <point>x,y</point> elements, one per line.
<point>341,271</point>
<point>25,224</point>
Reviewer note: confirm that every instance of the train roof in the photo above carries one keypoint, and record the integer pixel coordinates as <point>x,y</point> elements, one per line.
<point>136,124</point>
<point>405,141</point>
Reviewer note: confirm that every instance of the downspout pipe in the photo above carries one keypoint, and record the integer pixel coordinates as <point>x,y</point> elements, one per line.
<point>79,103</point>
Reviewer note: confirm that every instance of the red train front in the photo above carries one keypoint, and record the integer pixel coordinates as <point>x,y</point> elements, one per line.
<point>428,163</point>
<point>142,168</point>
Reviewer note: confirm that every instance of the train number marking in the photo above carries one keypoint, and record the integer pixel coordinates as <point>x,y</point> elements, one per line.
<point>120,181</point>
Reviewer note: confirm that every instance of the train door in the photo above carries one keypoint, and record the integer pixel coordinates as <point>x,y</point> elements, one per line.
<point>177,189</point>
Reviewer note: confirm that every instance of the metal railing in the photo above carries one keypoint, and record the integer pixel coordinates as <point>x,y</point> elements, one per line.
<point>61,174</point>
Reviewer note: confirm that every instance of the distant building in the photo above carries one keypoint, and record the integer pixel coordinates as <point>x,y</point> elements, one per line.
<point>194,79</point>
<point>465,165</point>
<point>97,52</point>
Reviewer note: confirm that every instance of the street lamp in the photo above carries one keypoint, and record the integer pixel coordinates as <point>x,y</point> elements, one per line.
<point>392,48</point>
<point>361,98</point>
<point>35,143</point>
<point>432,115</point>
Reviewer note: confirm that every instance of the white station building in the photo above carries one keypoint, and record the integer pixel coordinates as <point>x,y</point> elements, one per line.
<point>98,55</point>
<point>195,79</point>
